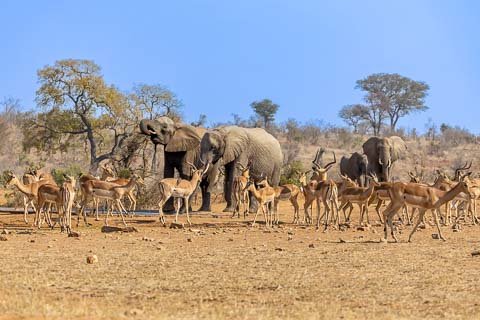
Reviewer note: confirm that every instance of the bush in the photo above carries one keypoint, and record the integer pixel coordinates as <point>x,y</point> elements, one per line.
<point>290,174</point>
<point>72,170</point>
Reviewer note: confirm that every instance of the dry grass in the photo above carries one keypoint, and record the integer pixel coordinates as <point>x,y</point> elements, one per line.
<point>229,270</point>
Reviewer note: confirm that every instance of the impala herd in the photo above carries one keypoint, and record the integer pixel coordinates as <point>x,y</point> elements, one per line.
<point>458,195</point>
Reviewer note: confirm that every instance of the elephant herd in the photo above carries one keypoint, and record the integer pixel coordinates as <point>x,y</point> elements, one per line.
<point>232,147</point>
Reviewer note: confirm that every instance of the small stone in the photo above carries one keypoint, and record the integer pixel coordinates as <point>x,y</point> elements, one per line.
<point>311,245</point>
<point>195,230</point>
<point>475,253</point>
<point>215,216</point>
<point>362,228</point>
<point>435,236</point>
<point>290,237</point>
<point>374,231</point>
<point>134,312</point>
<point>49,246</point>
<point>230,239</point>
<point>279,249</point>
<point>92,259</point>
<point>3,238</point>
<point>73,234</point>
<point>189,240</point>
<point>175,225</point>
<point>341,240</point>
<point>32,240</point>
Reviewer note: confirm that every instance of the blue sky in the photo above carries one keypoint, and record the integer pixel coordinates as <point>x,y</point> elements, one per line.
<point>219,56</point>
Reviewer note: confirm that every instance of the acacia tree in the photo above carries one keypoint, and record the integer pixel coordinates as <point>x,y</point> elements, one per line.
<point>156,100</point>
<point>393,96</point>
<point>352,115</point>
<point>265,110</point>
<point>76,102</point>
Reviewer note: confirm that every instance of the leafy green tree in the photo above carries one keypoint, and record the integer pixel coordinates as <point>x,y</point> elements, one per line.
<point>156,100</point>
<point>265,110</point>
<point>75,103</point>
<point>394,96</point>
<point>353,115</point>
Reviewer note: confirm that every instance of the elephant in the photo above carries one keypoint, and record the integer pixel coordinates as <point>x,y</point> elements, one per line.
<point>181,146</point>
<point>355,167</point>
<point>382,154</point>
<point>242,147</point>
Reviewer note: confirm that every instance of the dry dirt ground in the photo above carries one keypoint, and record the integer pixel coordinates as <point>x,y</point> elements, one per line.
<point>222,268</point>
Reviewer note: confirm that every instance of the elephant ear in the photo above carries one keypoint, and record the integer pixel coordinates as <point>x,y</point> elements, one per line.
<point>370,148</point>
<point>399,148</point>
<point>236,141</point>
<point>185,138</point>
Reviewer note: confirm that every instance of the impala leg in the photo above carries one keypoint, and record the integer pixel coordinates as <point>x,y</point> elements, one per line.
<point>186,210</point>
<point>435,216</point>
<point>25,208</point>
<point>179,204</point>
<point>421,213</point>
<point>377,209</point>
<point>119,208</point>
<point>255,218</point>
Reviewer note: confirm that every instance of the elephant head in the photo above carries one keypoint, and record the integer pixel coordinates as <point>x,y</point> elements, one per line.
<point>176,137</point>
<point>382,153</point>
<point>223,143</point>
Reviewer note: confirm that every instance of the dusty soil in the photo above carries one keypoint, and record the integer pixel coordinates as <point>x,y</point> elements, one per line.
<point>222,268</point>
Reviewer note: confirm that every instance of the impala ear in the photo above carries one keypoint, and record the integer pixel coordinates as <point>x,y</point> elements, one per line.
<point>236,141</point>
<point>185,138</point>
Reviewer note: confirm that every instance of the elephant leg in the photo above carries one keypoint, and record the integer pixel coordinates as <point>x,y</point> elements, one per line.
<point>204,184</point>
<point>229,175</point>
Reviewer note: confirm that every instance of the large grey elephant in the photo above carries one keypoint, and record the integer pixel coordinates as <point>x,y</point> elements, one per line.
<point>242,147</point>
<point>355,167</point>
<point>181,145</point>
<point>382,154</point>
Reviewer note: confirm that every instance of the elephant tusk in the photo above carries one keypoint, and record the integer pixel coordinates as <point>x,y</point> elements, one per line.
<point>380,161</point>
<point>206,168</point>
<point>152,131</point>
<point>389,164</point>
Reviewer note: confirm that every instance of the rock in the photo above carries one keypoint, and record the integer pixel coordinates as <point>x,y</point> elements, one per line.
<point>134,312</point>
<point>456,228</point>
<point>215,216</point>
<point>73,234</point>
<point>175,225</point>
<point>92,259</point>
<point>189,240</point>
<point>32,240</point>
<point>374,231</point>
<point>279,249</point>
<point>311,245</point>
<point>362,228</point>
<point>341,240</point>
<point>195,230</point>
<point>6,231</point>
<point>230,239</point>
<point>435,236</point>
<point>475,253</point>
<point>108,229</point>
<point>290,237</point>
<point>49,246</point>
<point>148,239</point>
<point>3,238</point>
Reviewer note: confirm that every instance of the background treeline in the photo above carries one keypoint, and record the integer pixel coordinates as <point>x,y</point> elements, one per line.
<point>80,121</point>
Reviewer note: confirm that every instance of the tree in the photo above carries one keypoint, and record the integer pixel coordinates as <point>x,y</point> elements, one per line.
<point>265,110</point>
<point>352,115</point>
<point>76,102</point>
<point>202,119</point>
<point>396,95</point>
<point>156,100</point>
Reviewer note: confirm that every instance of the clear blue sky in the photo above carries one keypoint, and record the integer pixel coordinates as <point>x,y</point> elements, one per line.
<point>218,56</point>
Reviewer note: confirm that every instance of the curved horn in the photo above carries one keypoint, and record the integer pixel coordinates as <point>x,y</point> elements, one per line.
<point>191,164</point>
<point>329,165</point>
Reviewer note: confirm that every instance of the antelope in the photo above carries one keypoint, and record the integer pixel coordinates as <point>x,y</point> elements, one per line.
<point>68,197</point>
<point>48,194</point>
<point>360,196</point>
<point>130,194</point>
<point>325,191</point>
<point>29,190</point>
<point>265,198</point>
<point>179,189</point>
<point>287,192</point>
<point>97,189</point>
<point>423,197</point>
<point>112,192</point>
<point>240,195</point>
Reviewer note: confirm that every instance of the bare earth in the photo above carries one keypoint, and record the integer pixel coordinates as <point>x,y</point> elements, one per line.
<point>222,268</point>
